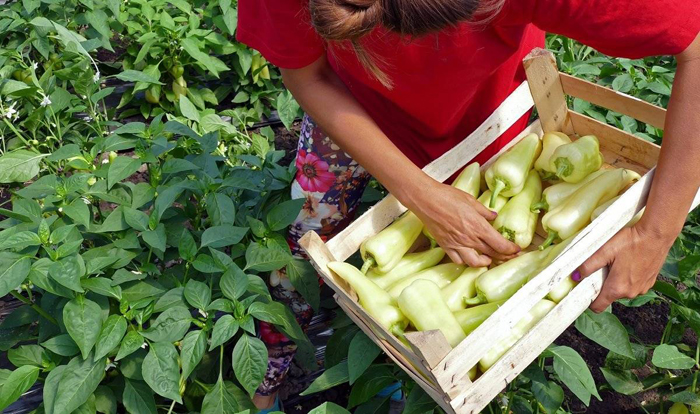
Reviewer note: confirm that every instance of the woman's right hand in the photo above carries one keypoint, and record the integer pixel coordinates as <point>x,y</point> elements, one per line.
<point>460,225</point>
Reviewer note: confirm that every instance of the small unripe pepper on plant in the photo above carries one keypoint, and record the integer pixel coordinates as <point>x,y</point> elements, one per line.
<point>485,199</point>
<point>462,287</point>
<point>468,181</point>
<point>537,312</point>
<point>386,248</point>
<point>556,194</point>
<point>678,408</point>
<point>515,221</point>
<point>470,318</point>
<point>372,298</point>
<point>575,213</point>
<point>550,142</point>
<point>153,94</point>
<point>508,174</point>
<point>441,275</point>
<point>573,162</point>
<point>410,264</point>
<point>422,304</point>
<point>504,280</point>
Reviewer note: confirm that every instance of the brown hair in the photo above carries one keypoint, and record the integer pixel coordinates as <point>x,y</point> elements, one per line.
<point>350,20</point>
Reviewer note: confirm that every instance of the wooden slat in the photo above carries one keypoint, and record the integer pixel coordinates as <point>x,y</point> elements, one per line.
<point>383,213</point>
<point>547,92</point>
<point>519,357</point>
<point>616,141</point>
<point>614,100</point>
<point>430,346</point>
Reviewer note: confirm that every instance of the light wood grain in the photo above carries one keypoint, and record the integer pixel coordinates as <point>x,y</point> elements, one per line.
<point>383,213</point>
<point>617,141</point>
<point>547,91</point>
<point>614,100</point>
<point>430,346</point>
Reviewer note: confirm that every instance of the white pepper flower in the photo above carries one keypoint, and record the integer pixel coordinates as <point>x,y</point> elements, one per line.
<point>45,101</point>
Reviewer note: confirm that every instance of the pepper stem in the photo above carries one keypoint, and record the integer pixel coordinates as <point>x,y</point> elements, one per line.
<point>508,234</point>
<point>433,243</point>
<point>369,262</point>
<point>539,206</point>
<point>564,167</point>
<point>396,331</point>
<point>499,185</point>
<point>550,238</point>
<point>476,300</point>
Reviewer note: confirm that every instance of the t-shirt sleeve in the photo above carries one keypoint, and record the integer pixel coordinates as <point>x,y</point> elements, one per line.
<point>280,30</point>
<point>622,28</point>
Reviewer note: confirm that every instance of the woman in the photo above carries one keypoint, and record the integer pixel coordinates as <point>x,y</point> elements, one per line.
<point>389,85</point>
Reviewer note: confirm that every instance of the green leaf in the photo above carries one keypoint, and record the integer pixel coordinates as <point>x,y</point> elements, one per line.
<point>284,214</point>
<point>83,321</point>
<point>105,401</point>
<point>212,64</point>
<point>375,379</point>
<point>331,408</point>
<point>334,376</point>
<point>21,240</point>
<point>169,326</point>
<point>188,109</point>
<point>62,345</point>
<point>79,212</point>
<point>138,397</point>
<point>19,166</point>
<point>249,362</point>
<point>548,393</point>
<point>418,402</point>
<point>170,299</point>
<point>234,282</point>
<point>623,83</point>
<point>137,219</point>
<point>53,379</point>
<point>221,399</point>
<point>138,76</point>
<point>112,332</point>
<point>27,355</point>
<point>161,372</point>
<point>79,381</point>
<point>177,165</point>
<point>197,294</point>
<point>19,381</point>
<point>88,407</point>
<point>156,238</point>
<point>265,259</point>
<point>686,397</point>
<point>222,236</point>
<point>13,273</point>
<point>361,354</point>
<point>574,373</point>
<point>605,330</point>
<point>224,329</point>
<point>220,209</point>
<point>131,342</point>
<point>624,382</point>
<point>305,280</point>
<point>193,347</point>
<point>187,247</point>
<point>102,286</point>
<point>287,108</point>
<point>669,357</point>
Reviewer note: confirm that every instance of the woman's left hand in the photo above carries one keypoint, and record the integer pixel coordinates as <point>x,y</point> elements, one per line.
<point>634,258</point>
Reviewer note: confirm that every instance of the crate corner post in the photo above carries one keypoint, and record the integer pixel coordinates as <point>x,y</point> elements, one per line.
<point>547,91</point>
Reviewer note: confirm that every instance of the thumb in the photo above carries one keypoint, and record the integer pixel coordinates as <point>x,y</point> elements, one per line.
<point>599,260</point>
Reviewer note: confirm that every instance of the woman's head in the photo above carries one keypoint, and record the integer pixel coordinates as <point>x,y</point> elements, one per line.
<point>350,20</point>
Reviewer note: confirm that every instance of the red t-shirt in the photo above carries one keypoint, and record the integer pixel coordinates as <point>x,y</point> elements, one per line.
<point>446,84</point>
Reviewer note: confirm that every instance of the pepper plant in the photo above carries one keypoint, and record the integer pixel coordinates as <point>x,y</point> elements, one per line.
<point>140,277</point>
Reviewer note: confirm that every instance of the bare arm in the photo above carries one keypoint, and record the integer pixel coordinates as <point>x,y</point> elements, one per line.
<point>325,98</point>
<point>636,254</point>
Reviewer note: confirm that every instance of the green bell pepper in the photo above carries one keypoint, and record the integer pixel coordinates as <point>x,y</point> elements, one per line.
<point>470,318</point>
<point>555,194</point>
<point>485,199</point>
<point>508,174</point>
<point>442,275</point>
<point>461,288</point>
<point>386,248</point>
<point>573,162</point>
<point>410,264</point>
<point>550,142</point>
<point>515,221</point>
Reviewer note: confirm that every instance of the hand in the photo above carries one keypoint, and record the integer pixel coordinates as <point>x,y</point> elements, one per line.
<point>459,223</point>
<point>634,258</point>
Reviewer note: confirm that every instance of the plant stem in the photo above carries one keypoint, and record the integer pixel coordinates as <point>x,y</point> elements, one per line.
<point>171,407</point>
<point>221,360</point>
<point>35,307</point>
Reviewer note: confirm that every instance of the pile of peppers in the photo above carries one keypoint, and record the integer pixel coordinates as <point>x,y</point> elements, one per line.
<point>556,181</point>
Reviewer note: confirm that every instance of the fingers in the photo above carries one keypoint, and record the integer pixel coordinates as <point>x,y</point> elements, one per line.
<point>483,211</point>
<point>473,258</point>
<point>487,250</point>
<point>599,260</point>
<point>497,242</point>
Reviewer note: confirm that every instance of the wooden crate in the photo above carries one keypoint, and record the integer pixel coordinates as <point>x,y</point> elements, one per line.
<point>442,371</point>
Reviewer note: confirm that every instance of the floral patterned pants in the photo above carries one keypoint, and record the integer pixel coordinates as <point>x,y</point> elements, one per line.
<point>332,184</point>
